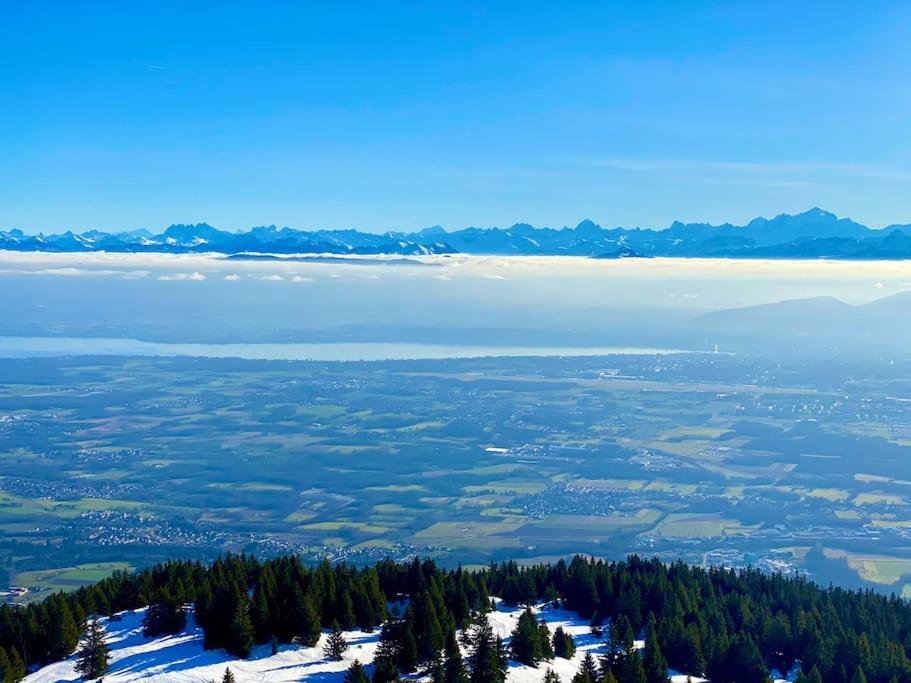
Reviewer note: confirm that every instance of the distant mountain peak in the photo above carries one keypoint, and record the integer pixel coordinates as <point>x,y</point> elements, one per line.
<point>587,225</point>
<point>814,233</point>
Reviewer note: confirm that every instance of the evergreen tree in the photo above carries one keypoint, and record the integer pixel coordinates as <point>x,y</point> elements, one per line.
<point>550,676</point>
<point>166,616</point>
<point>228,677</point>
<point>94,656</point>
<point>562,644</point>
<point>744,662</point>
<point>335,643</point>
<point>306,626</point>
<point>17,668</point>
<point>386,659</point>
<point>346,616</point>
<point>631,669</point>
<point>63,634</point>
<point>525,642</point>
<point>859,676</point>
<point>408,650</point>
<point>588,670</point>
<point>653,661</point>
<point>813,677</point>
<point>488,662</point>
<point>356,673</point>
<point>547,650</point>
<point>240,636</point>
<point>4,665</point>
<point>453,666</point>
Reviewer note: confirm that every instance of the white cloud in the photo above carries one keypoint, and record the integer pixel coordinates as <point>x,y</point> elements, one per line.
<point>195,276</point>
<point>233,277</point>
<point>79,272</point>
<point>301,278</point>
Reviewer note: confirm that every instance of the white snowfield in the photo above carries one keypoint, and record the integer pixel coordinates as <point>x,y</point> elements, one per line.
<point>181,658</point>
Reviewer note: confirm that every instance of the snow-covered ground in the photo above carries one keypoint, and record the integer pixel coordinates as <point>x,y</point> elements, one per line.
<point>182,659</point>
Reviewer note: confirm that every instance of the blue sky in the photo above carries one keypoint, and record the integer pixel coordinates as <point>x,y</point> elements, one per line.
<point>399,115</point>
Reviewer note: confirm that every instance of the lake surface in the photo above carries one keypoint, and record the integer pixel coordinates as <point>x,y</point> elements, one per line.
<point>24,347</point>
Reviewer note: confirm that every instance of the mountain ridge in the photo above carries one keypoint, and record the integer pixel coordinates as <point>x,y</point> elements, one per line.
<point>812,234</point>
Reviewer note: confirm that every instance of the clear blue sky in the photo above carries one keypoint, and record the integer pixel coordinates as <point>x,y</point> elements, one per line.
<point>400,115</point>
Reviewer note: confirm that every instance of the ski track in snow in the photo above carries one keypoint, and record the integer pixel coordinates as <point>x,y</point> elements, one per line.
<point>181,658</point>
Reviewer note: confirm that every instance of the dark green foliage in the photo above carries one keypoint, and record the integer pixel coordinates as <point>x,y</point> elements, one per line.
<point>813,677</point>
<point>12,668</point>
<point>240,632</point>
<point>653,661</point>
<point>488,661</point>
<point>356,673</point>
<point>530,642</point>
<point>228,677</point>
<point>63,632</point>
<point>453,667</point>
<point>550,676</point>
<point>94,656</point>
<point>588,671</point>
<point>408,650</point>
<point>386,659</point>
<point>164,616</point>
<point>562,644</point>
<point>727,626</point>
<point>335,643</point>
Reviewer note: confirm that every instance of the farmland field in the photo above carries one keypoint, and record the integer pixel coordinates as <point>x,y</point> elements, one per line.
<point>131,460</point>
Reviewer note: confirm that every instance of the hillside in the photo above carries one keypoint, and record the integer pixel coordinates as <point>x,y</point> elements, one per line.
<point>181,658</point>
<point>415,619</point>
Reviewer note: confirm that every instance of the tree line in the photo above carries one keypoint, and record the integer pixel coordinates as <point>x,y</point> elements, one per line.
<point>723,624</point>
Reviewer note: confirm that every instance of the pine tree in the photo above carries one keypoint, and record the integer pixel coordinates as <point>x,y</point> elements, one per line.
<point>94,656</point>
<point>63,634</point>
<point>525,645</point>
<point>166,616</point>
<point>453,666</point>
<point>17,668</point>
<point>4,665</point>
<point>813,677</point>
<point>356,673</point>
<point>588,670</point>
<point>544,645</point>
<point>240,636</point>
<point>228,677</point>
<point>550,676</point>
<point>859,676</point>
<point>346,616</point>
<point>563,645</point>
<point>335,644</point>
<point>306,625</point>
<point>653,661</point>
<point>631,669</point>
<point>488,660</point>
<point>408,650</point>
<point>385,661</point>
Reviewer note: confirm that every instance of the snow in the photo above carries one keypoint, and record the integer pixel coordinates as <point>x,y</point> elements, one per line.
<point>181,658</point>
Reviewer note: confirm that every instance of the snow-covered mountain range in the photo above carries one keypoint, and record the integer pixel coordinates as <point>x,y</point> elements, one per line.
<point>812,234</point>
